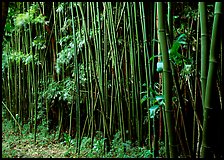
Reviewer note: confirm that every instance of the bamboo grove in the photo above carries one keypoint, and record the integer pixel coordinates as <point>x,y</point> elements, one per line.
<point>152,71</point>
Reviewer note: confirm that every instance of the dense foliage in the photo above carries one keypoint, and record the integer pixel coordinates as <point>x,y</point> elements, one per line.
<point>116,79</point>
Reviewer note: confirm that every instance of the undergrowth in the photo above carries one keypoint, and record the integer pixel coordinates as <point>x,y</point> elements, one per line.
<point>16,146</point>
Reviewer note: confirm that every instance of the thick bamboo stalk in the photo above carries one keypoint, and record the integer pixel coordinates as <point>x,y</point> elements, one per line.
<point>204,48</point>
<point>208,135</point>
<point>167,83</point>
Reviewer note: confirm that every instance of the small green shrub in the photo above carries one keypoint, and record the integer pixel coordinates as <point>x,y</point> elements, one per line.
<point>11,141</point>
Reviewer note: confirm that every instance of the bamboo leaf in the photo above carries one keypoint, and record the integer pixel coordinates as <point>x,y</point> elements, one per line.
<point>144,98</point>
<point>153,110</point>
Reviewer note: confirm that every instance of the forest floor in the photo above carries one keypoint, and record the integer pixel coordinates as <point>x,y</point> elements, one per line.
<point>47,146</point>
<point>15,146</point>
<point>25,149</point>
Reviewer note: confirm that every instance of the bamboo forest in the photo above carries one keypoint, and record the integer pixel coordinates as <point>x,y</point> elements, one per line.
<point>112,79</point>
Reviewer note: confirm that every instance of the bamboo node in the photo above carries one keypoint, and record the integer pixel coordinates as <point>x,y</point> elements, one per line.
<point>169,110</point>
<point>213,61</point>
<point>207,147</point>
<point>209,108</point>
<point>161,30</point>
<point>167,71</point>
<point>173,145</point>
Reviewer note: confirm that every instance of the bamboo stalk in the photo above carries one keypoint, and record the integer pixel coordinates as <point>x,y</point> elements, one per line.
<point>167,83</point>
<point>208,142</point>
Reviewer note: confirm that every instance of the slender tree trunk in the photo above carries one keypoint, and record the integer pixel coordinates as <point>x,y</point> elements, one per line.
<point>209,127</point>
<point>204,48</point>
<point>167,83</point>
<point>5,6</point>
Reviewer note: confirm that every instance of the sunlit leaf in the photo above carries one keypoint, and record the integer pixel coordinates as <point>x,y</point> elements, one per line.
<point>153,110</point>
<point>159,67</point>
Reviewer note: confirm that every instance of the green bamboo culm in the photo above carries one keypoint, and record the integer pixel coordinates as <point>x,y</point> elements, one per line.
<point>170,21</point>
<point>167,80</point>
<point>208,137</point>
<point>204,48</point>
<point>77,94</point>
<point>196,127</point>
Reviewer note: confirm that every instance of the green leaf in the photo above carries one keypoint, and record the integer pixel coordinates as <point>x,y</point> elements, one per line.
<point>154,57</point>
<point>8,27</point>
<point>39,19</point>
<point>153,91</point>
<point>153,110</point>
<point>144,84</point>
<point>159,67</point>
<point>144,92</point>
<point>180,40</point>
<point>28,59</point>
<point>181,37</point>
<point>144,98</point>
<point>160,99</point>
<point>174,48</point>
